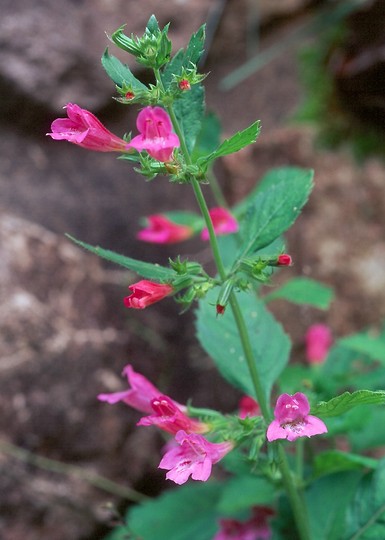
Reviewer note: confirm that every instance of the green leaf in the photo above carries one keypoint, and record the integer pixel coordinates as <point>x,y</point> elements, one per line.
<point>277,204</point>
<point>346,401</point>
<point>233,144</point>
<point>209,136</point>
<point>152,26</point>
<point>305,291</point>
<point>366,514</point>
<point>372,346</point>
<point>184,58</point>
<point>195,48</point>
<point>189,110</point>
<point>243,492</point>
<point>327,500</point>
<point>367,434</point>
<point>183,513</point>
<point>220,339</point>
<point>120,73</point>
<point>269,178</point>
<point>333,461</point>
<point>296,378</point>
<point>147,270</point>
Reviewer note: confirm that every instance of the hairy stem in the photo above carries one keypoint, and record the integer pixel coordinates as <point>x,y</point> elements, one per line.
<point>288,480</point>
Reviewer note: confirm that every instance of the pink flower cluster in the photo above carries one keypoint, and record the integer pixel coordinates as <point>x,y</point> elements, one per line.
<point>84,129</point>
<point>318,340</point>
<point>194,455</point>
<point>162,230</point>
<point>292,419</point>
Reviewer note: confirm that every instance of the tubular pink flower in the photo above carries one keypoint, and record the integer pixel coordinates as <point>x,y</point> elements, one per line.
<point>140,395</point>
<point>248,407</point>
<point>195,456</point>
<point>255,528</point>
<point>170,418</point>
<point>292,419</point>
<point>145,293</point>
<point>318,341</point>
<point>84,129</point>
<point>156,137</point>
<point>223,223</point>
<point>162,230</point>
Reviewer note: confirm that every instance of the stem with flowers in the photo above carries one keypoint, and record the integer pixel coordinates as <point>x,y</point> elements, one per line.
<point>291,487</point>
<point>246,342</point>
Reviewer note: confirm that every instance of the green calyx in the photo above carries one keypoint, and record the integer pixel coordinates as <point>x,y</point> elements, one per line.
<point>152,50</point>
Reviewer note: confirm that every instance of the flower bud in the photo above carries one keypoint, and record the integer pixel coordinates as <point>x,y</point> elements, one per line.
<point>184,84</point>
<point>284,260</point>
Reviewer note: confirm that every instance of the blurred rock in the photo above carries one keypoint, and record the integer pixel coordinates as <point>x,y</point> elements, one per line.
<point>50,51</point>
<point>58,337</point>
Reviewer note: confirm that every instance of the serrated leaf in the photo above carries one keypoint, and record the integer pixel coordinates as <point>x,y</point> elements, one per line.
<point>372,346</point>
<point>346,401</point>
<point>120,73</point>
<point>152,25</point>
<point>181,514</point>
<point>144,269</point>
<point>195,47</point>
<point>189,110</point>
<point>304,291</point>
<point>184,58</point>
<point>220,339</point>
<point>276,206</point>
<point>233,144</point>
<point>366,514</point>
<point>243,492</point>
<point>283,174</point>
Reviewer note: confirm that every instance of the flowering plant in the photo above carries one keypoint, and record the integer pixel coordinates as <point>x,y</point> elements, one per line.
<point>267,490</point>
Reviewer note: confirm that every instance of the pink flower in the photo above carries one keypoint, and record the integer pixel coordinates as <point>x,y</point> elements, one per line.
<point>255,528</point>
<point>284,260</point>
<point>223,223</point>
<point>145,293</point>
<point>84,129</point>
<point>248,407</point>
<point>139,396</point>
<point>292,419</point>
<point>170,418</point>
<point>195,456</point>
<point>318,341</point>
<point>156,135</point>
<point>162,230</point>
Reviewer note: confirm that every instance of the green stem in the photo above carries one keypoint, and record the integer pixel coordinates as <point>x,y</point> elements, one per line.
<point>297,504</point>
<point>291,489</point>
<point>216,190</point>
